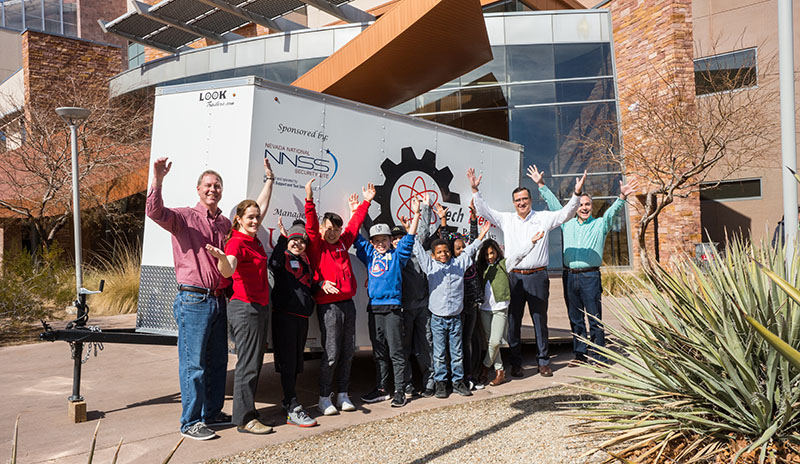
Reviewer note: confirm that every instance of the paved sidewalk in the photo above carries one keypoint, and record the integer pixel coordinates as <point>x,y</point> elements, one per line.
<point>134,391</point>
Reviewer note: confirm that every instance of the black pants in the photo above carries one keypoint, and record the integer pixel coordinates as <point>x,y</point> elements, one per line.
<point>471,344</point>
<point>386,333</point>
<point>533,289</point>
<point>417,340</point>
<point>289,333</point>
<point>249,324</point>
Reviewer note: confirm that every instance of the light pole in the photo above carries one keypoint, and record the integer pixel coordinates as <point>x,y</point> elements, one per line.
<point>788,143</point>
<point>74,117</point>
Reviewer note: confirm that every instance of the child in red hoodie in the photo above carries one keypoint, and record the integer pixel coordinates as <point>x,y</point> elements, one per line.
<point>327,252</point>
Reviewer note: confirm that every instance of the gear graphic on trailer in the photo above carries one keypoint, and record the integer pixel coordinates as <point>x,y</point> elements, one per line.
<point>410,163</point>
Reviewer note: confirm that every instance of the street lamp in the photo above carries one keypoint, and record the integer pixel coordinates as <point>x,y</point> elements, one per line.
<point>74,117</point>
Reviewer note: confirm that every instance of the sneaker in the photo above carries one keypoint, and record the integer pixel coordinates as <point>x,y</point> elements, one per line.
<point>399,399</point>
<point>256,427</point>
<point>461,388</point>
<point>326,406</point>
<point>375,396</point>
<point>428,392</point>
<point>221,419</point>
<point>198,431</point>
<point>296,415</point>
<point>343,402</point>
<point>441,390</point>
<point>479,385</point>
<point>411,392</point>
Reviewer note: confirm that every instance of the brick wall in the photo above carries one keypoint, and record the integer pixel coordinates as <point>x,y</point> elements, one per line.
<point>653,38</point>
<point>51,59</point>
<point>89,11</point>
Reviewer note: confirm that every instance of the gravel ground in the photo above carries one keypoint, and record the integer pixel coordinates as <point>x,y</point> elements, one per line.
<point>527,428</point>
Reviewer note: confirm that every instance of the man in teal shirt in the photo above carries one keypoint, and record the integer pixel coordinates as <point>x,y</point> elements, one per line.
<point>583,239</point>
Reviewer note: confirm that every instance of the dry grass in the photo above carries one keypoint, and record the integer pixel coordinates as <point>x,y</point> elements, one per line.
<point>121,273</point>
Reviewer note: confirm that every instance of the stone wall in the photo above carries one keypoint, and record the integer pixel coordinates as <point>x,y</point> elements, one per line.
<point>653,38</point>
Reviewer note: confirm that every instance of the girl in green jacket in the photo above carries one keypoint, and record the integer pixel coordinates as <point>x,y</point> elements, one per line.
<point>494,310</point>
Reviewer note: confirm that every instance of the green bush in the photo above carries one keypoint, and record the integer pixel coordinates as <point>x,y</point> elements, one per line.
<point>31,292</point>
<point>690,380</point>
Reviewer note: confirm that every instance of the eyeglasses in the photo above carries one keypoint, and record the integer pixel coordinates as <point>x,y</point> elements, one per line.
<point>519,200</point>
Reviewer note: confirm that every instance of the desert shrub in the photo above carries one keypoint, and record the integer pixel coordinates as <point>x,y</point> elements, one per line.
<point>33,291</point>
<point>690,380</point>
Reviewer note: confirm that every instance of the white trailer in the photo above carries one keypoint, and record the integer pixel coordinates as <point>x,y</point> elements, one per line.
<point>231,125</point>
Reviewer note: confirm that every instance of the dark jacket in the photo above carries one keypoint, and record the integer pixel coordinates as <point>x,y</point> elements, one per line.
<point>473,283</point>
<point>293,289</point>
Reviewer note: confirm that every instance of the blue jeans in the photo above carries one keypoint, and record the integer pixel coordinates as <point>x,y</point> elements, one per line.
<point>202,355</point>
<point>447,331</point>
<point>584,293</point>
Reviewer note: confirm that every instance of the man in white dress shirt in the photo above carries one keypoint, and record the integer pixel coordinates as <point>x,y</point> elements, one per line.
<point>527,263</point>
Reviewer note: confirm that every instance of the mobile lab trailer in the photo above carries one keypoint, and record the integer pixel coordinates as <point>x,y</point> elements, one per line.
<point>231,125</point>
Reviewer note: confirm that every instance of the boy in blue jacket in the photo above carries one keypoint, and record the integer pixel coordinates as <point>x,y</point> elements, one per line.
<point>384,266</point>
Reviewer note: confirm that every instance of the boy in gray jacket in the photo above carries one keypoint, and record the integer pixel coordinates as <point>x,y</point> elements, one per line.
<point>446,298</point>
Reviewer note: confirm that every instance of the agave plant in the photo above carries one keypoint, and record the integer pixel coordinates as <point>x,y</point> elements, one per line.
<point>689,379</point>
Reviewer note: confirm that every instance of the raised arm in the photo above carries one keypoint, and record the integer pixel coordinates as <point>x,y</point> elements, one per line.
<point>538,177</point>
<point>155,210</point>
<point>350,231</point>
<point>423,258</point>
<point>624,191</point>
<point>556,218</point>
<point>278,257</point>
<point>266,191</point>
<point>363,249</point>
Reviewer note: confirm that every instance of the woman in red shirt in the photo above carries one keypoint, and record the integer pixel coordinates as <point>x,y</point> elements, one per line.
<point>245,260</point>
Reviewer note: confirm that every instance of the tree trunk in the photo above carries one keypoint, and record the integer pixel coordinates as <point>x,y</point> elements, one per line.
<point>644,223</point>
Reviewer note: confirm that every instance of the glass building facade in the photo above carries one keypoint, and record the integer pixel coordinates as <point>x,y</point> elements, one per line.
<point>55,16</point>
<point>554,98</point>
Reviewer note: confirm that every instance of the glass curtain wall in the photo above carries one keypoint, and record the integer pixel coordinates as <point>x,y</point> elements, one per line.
<point>556,100</point>
<point>55,16</point>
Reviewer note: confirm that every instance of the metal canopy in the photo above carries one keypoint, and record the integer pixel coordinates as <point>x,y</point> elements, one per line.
<point>173,24</point>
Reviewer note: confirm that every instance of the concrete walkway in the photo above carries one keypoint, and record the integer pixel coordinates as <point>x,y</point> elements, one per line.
<point>133,390</point>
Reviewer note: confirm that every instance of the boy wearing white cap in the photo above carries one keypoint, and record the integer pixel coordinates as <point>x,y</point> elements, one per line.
<point>384,267</point>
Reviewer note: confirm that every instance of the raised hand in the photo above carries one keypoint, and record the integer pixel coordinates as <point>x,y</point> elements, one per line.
<point>474,182</point>
<point>161,168</point>
<point>579,183</point>
<point>329,288</point>
<point>352,202</point>
<point>536,175</point>
<point>537,236</point>
<point>214,251</point>
<point>369,192</point>
<point>441,211</point>
<point>405,222</point>
<point>268,170</point>
<point>426,199</point>
<point>415,205</point>
<point>309,191</point>
<point>627,189</point>
<point>281,228</point>
<point>484,230</point>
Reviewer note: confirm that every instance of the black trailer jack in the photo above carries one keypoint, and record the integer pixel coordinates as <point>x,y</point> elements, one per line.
<point>77,333</point>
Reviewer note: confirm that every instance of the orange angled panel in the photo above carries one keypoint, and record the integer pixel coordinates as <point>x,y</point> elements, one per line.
<point>415,47</point>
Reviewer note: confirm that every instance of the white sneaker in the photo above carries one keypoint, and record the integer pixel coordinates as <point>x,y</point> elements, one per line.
<point>343,402</point>
<point>326,407</point>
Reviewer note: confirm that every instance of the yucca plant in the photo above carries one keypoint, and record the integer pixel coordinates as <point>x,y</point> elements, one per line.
<point>689,379</point>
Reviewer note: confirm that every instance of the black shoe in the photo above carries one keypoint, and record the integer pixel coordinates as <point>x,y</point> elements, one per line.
<point>428,392</point>
<point>411,392</point>
<point>221,419</point>
<point>441,390</point>
<point>516,371</point>
<point>461,388</point>
<point>399,399</point>
<point>375,396</point>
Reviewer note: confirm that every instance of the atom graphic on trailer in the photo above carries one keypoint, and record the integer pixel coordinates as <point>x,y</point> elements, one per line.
<point>413,191</point>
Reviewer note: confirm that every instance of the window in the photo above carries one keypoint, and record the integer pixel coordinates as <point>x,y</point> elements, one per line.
<point>135,55</point>
<point>725,72</point>
<point>742,189</point>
